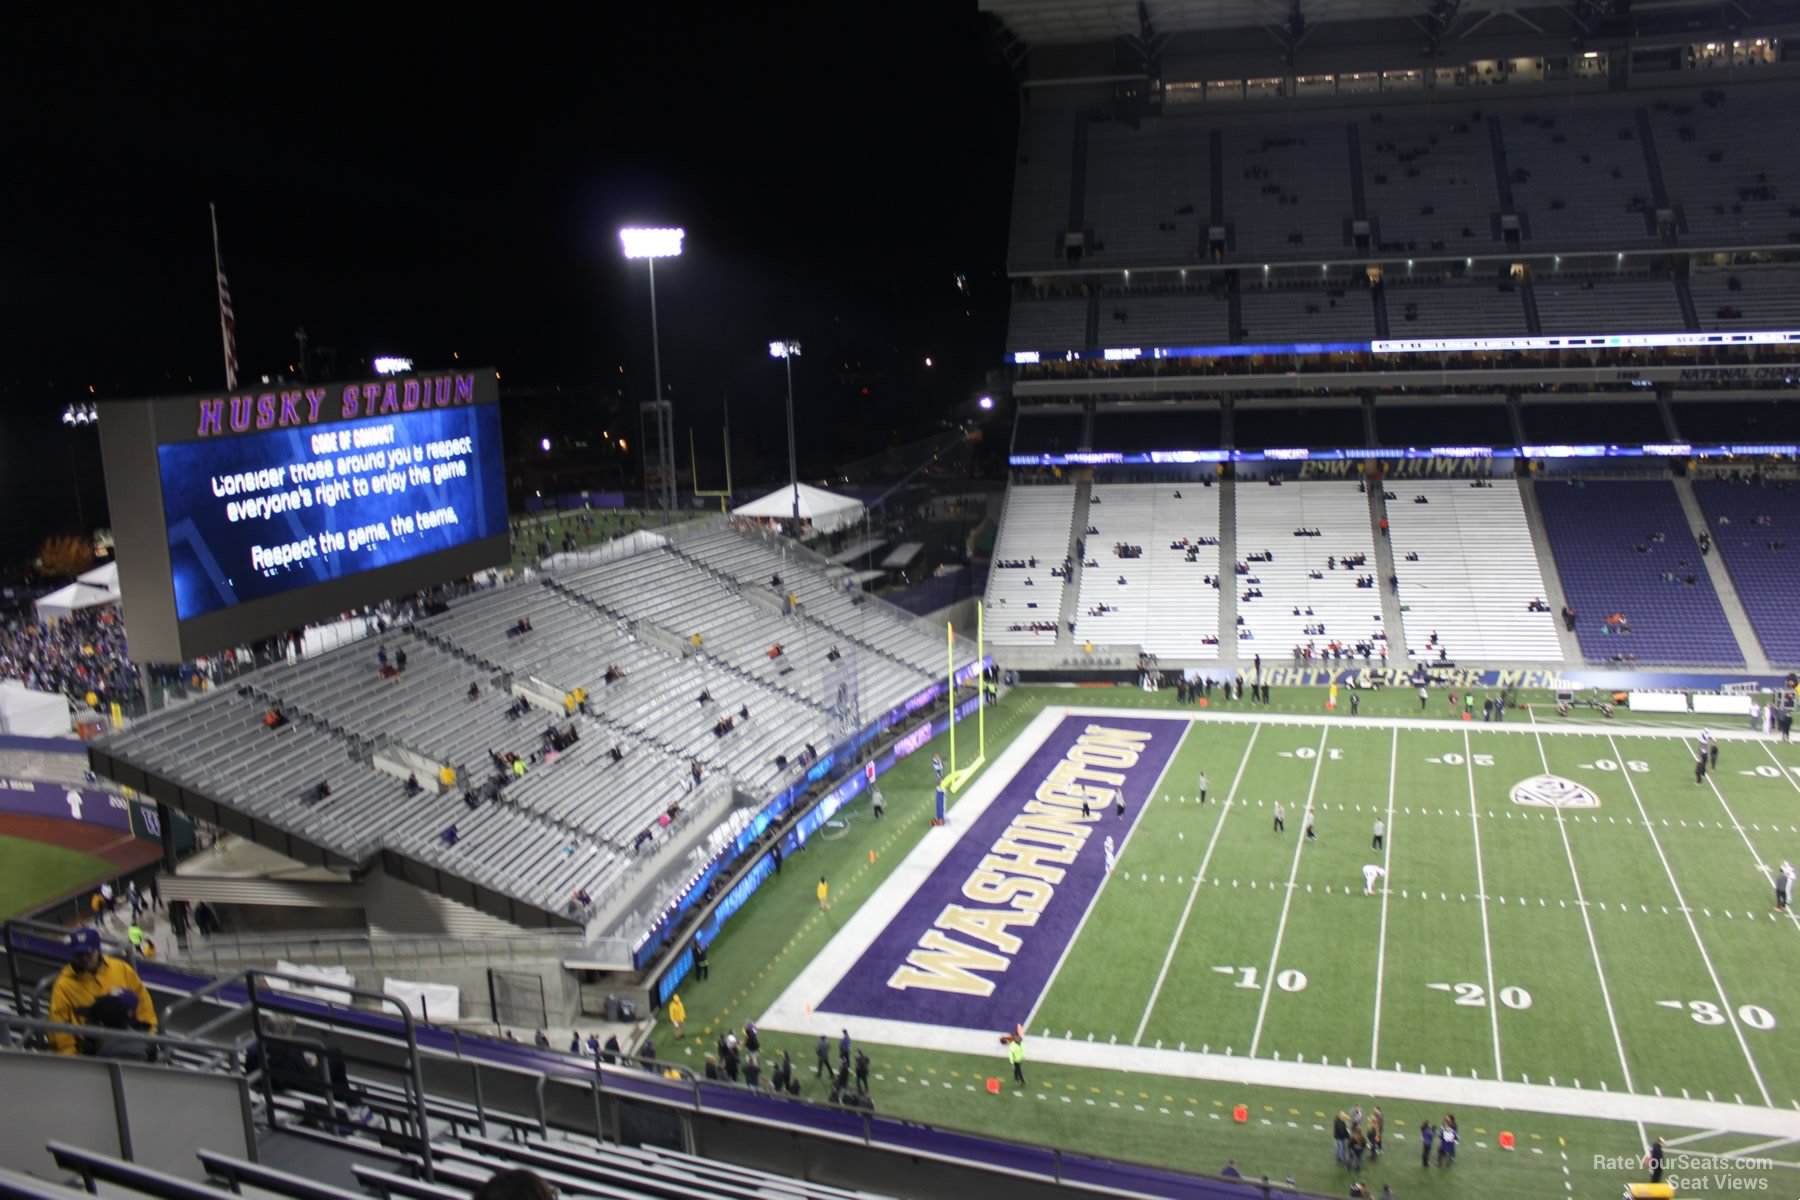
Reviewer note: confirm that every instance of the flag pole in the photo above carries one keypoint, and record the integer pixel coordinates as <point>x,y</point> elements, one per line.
<point>226,317</point>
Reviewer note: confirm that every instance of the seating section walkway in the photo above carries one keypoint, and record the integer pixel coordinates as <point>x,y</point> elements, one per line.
<point>1307,592</point>
<point>1475,574</point>
<point>1165,598</point>
<point>1626,557</point>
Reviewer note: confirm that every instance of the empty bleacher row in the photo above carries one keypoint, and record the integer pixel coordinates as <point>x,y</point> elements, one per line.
<point>576,820</point>
<point>1287,190</point>
<point>1024,602</point>
<point>1430,182</point>
<point>220,747</point>
<point>1165,598</point>
<point>1631,304</point>
<point>1335,310</point>
<point>1435,308</point>
<point>753,561</point>
<point>1631,570</point>
<point>1759,297</point>
<point>1755,529</point>
<point>1143,169</point>
<point>1579,178</point>
<point>1305,592</point>
<point>1475,573</point>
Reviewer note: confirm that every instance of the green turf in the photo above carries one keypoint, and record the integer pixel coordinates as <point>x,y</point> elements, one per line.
<point>33,874</point>
<point>1454,836</point>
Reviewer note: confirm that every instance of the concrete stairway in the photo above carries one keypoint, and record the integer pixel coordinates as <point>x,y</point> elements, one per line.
<point>1554,595</point>
<point>1392,620</point>
<point>1071,603</point>
<point>1229,647</point>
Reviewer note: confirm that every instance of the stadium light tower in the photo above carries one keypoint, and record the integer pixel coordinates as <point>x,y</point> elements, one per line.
<point>650,245</point>
<point>788,351</point>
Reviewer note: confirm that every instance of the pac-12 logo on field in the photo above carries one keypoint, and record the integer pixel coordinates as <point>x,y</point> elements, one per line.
<point>1553,791</point>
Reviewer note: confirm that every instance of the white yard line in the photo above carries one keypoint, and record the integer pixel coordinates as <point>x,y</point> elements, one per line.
<point>1094,902</point>
<point>1581,903</point>
<point>1768,871</point>
<point>1487,942</point>
<point>1724,1002</point>
<point>1262,1009</point>
<point>1387,860</point>
<point>1199,877</point>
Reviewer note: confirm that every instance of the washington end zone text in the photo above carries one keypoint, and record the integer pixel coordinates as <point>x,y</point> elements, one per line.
<point>1016,881</point>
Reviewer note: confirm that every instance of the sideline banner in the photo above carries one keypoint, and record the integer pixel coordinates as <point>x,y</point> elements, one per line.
<point>89,806</point>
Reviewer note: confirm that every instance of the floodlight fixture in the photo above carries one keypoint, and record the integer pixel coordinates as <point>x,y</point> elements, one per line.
<point>651,243</point>
<point>784,349</point>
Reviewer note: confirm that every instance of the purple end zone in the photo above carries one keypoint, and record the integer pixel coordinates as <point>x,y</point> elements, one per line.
<point>866,990</point>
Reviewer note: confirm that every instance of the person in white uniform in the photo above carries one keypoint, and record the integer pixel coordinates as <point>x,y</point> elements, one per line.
<point>1372,872</point>
<point>1111,857</point>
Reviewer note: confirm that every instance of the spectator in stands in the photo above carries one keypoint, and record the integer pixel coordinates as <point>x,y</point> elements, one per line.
<point>413,787</point>
<point>518,1184</point>
<point>616,753</point>
<point>291,1063</point>
<point>275,718</point>
<point>97,991</point>
<point>381,655</point>
<point>775,650</point>
<point>705,696</point>
<point>613,673</point>
<point>400,660</point>
<point>475,691</point>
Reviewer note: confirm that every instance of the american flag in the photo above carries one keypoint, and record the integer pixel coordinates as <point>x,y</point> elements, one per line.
<point>227,318</point>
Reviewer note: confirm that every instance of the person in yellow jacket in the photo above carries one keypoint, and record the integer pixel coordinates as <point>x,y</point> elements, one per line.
<point>1015,1054</point>
<point>96,990</point>
<point>677,1014</point>
<point>824,893</point>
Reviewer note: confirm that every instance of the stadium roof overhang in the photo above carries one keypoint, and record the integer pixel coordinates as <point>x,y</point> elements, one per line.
<point>1151,30</point>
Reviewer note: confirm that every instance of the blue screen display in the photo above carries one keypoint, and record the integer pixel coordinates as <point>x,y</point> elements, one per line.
<point>264,513</point>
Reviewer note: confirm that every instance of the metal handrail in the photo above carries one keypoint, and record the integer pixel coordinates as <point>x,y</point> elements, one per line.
<point>381,999</point>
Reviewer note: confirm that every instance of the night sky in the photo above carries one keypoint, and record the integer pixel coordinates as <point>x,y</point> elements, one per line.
<point>439,189</point>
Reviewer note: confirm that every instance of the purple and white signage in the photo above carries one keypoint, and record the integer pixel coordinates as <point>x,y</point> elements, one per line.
<point>31,798</point>
<point>976,943</point>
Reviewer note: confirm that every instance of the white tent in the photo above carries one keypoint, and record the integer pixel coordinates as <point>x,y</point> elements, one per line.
<point>826,510</point>
<point>30,713</point>
<point>106,576</point>
<point>69,600</point>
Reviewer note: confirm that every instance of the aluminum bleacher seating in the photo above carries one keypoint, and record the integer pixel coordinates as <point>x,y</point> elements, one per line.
<point>1047,325</point>
<point>1430,182</point>
<point>1732,182</point>
<point>1596,531</point>
<point>1278,620</point>
<point>1165,604</point>
<point>1576,181</point>
<point>1287,190</point>
<point>1434,308</point>
<point>1147,191</point>
<point>1035,525</point>
<point>1756,531</point>
<point>1476,573</point>
<point>1196,318</point>
<point>1336,310</point>
<point>1040,212</point>
<point>1633,304</point>
<point>1766,297</point>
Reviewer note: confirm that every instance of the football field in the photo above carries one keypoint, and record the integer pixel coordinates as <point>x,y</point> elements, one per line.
<point>1568,923</point>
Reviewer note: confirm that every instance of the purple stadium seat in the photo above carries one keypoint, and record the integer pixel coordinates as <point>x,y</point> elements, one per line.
<point>1593,531</point>
<point>1765,579</point>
